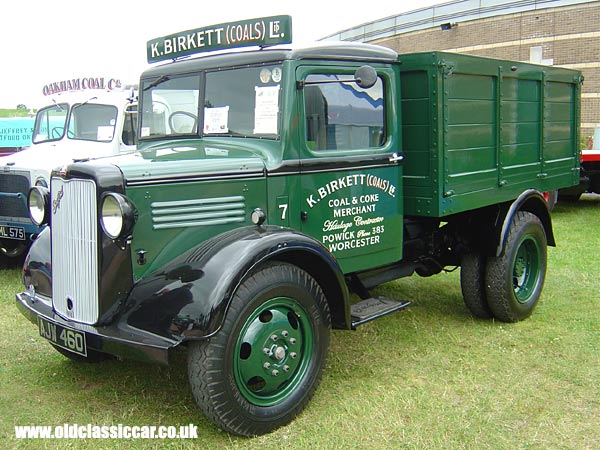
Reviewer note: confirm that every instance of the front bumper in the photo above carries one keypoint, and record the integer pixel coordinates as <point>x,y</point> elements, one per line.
<point>118,339</point>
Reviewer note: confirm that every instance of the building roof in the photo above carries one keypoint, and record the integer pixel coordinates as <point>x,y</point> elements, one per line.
<point>443,13</point>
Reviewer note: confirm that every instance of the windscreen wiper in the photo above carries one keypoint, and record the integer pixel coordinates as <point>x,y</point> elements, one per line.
<point>156,82</point>
<point>84,103</point>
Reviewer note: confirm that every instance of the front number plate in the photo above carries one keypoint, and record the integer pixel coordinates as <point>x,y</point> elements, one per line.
<point>63,337</point>
<point>17,233</point>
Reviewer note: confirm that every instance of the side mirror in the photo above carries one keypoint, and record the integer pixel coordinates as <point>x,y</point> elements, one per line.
<point>365,77</point>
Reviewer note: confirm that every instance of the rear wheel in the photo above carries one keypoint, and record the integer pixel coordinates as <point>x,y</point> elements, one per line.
<point>264,365</point>
<point>551,198</point>
<point>595,184</point>
<point>472,284</point>
<point>562,197</point>
<point>514,280</point>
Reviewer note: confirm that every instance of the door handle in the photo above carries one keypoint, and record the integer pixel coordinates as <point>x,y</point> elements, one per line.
<point>396,157</point>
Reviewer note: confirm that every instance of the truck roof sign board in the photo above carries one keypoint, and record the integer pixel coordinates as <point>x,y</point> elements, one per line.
<point>261,32</point>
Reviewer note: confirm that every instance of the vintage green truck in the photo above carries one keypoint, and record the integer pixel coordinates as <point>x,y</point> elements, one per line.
<point>274,188</point>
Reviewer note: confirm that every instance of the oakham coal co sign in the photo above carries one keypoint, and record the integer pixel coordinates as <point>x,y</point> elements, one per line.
<point>82,84</point>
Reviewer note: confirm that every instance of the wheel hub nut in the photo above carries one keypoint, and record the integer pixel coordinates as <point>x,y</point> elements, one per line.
<point>279,353</point>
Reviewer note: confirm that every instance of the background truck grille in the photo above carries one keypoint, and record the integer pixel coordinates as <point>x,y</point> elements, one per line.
<point>14,183</point>
<point>75,249</point>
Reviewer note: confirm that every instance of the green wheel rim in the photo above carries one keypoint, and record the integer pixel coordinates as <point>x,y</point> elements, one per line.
<point>526,269</point>
<point>273,351</point>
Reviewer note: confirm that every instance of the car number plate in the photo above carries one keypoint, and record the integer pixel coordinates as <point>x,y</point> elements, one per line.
<point>63,337</point>
<point>8,232</point>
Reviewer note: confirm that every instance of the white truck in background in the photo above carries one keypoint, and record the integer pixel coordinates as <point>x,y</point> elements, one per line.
<point>93,118</point>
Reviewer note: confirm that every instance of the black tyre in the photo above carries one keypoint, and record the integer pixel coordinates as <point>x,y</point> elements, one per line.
<point>551,198</point>
<point>12,253</point>
<point>5,262</point>
<point>514,280</point>
<point>472,284</point>
<point>264,365</point>
<point>91,358</point>
<point>594,184</point>
<point>569,197</point>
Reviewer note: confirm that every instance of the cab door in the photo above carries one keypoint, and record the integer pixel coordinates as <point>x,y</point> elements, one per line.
<point>350,165</point>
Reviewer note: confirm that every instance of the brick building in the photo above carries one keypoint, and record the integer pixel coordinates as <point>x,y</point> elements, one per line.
<point>564,33</point>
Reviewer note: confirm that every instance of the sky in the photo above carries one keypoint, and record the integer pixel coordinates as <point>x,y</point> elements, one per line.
<point>45,41</point>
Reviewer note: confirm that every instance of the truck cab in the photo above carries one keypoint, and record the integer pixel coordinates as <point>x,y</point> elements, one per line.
<point>273,189</point>
<point>73,126</point>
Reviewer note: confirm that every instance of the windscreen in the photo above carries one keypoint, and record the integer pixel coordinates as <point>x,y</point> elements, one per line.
<point>170,107</point>
<point>92,122</point>
<point>243,102</point>
<point>237,102</point>
<point>50,123</point>
<point>83,121</point>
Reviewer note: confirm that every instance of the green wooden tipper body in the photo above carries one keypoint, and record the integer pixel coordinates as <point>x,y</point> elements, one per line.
<point>479,131</point>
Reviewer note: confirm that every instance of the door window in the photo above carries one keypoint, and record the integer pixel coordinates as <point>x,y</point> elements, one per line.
<point>341,115</point>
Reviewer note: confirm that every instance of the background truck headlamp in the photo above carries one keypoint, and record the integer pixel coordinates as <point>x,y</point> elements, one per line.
<point>38,202</point>
<point>117,216</point>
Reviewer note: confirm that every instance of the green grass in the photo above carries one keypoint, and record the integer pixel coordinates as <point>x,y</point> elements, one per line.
<point>14,112</point>
<point>428,377</point>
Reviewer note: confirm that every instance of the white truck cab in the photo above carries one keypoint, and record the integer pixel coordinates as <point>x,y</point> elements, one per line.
<point>74,126</point>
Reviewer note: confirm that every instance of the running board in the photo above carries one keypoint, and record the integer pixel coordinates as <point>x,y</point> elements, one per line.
<point>374,308</point>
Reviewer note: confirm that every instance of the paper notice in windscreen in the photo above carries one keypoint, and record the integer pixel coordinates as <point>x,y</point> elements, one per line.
<point>266,109</point>
<point>105,133</point>
<point>215,120</point>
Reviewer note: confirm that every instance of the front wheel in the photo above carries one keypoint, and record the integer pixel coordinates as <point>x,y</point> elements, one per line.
<point>514,280</point>
<point>264,365</point>
<point>13,249</point>
<point>12,253</point>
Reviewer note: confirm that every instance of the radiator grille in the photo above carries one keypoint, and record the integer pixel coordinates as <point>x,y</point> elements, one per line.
<point>75,249</point>
<point>198,212</point>
<point>14,183</point>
